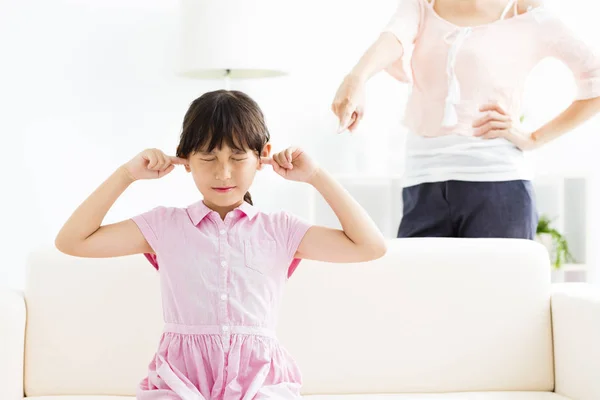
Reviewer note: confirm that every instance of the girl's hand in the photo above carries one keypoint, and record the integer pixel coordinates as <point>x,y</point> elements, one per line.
<point>497,124</point>
<point>151,164</point>
<point>349,103</point>
<point>293,164</point>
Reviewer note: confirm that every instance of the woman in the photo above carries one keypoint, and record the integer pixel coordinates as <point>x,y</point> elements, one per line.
<point>466,174</point>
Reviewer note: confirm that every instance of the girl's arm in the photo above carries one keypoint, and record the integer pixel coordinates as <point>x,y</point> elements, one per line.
<point>358,240</point>
<point>84,236</point>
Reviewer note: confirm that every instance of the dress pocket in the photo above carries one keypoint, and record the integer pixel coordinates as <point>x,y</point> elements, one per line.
<point>260,255</point>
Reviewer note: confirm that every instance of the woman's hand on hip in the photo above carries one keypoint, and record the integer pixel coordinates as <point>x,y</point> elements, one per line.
<point>495,123</point>
<point>349,103</point>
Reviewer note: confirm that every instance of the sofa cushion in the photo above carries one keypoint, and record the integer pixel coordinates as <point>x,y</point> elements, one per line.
<point>92,326</point>
<point>441,396</point>
<point>433,315</point>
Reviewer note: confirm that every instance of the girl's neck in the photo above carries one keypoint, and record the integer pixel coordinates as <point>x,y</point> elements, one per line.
<point>222,210</point>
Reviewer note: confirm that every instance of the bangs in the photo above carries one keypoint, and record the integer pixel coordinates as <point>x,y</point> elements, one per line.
<point>209,138</point>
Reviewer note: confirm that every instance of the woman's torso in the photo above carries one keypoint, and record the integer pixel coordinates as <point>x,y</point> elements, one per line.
<point>456,70</point>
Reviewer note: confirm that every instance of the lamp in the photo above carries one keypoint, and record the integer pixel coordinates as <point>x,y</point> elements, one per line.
<point>232,39</point>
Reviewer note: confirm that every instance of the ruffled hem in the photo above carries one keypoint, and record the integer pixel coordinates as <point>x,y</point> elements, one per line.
<point>203,367</point>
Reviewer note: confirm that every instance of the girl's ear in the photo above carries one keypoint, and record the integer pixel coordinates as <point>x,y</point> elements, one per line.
<point>266,152</point>
<point>187,168</point>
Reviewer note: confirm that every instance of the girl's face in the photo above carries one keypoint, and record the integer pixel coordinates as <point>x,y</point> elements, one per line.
<point>224,175</point>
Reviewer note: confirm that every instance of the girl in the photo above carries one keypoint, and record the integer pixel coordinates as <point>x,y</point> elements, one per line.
<point>222,262</point>
<point>466,174</point>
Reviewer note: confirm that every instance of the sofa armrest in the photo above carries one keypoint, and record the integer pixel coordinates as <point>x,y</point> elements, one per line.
<point>12,343</point>
<point>576,329</point>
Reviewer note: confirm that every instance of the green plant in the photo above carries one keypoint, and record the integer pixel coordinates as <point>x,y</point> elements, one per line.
<point>560,247</point>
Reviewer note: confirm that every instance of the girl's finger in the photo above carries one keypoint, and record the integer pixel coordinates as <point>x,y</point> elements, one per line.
<point>178,160</point>
<point>266,160</point>
<point>288,158</point>
<point>152,160</point>
<point>273,163</point>
<point>275,159</point>
<point>166,171</point>
<point>279,159</point>
<point>163,162</point>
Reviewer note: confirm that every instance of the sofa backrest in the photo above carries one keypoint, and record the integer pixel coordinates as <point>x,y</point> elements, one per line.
<point>433,315</point>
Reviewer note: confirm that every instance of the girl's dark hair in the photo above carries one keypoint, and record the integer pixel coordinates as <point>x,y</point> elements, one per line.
<point>223,116</point>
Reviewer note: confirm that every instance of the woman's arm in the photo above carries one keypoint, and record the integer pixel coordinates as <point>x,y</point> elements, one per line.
<point>557,40</point>
<point>497,124</point>
<point>577,113</point>
<point>385,53</point>
<point>385,50</point>
<point>349,102</point>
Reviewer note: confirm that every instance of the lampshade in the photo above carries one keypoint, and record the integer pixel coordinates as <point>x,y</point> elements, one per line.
<point>240,38</point>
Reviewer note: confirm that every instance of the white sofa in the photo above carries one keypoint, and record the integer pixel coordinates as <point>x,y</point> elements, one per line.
<point>434,319</point>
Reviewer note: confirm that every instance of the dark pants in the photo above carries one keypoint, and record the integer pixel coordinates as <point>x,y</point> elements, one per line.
<point>469,210</point>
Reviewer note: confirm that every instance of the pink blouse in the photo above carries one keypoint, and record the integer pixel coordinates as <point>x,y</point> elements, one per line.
<point>457,69</point>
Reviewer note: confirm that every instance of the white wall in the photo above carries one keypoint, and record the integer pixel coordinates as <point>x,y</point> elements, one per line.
<point>85,85</point>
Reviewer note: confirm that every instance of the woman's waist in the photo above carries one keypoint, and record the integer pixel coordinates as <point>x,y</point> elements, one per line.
<point>430,122</point>
<point>432,107</point>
